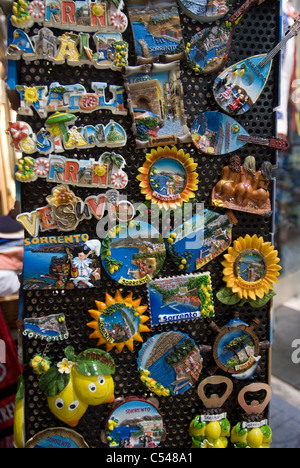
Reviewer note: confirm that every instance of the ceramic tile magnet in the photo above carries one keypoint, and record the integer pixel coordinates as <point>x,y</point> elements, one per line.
<point>169,363</point>
<point>134,422</point>
<point>118,322</point>
<point>204,11</point>
<point>211,429</point>
<point>50,328</point>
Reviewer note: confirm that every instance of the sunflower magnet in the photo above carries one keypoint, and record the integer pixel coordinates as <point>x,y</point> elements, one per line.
<point>250,271</point>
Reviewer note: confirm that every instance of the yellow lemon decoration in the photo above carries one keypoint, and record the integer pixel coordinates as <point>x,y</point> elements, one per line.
<point>257,437</point>
<point>209,434</point>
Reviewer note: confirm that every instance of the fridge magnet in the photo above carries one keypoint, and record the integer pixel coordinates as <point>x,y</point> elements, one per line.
<point>254,430</point>
<point>155,101</point>
<point>236,349</point>
<point>107,172</point>
<point>118,321</point>
<point>60,134</point>
<point>104,16</point>
<point>63,262</point>
<point>205,11</point>
<point>168,177</point>
<point>244,188</point>
<point>57,437</point>
<point>218,134</point>
<point>76,382</point>
<point>251,268</point>
<point>181,298</point>
<point>134,422</point>
<point>50,328</point>
<point>212,428</point>
<point>70,98</point>
<point>18,426</point>
<point>133,254</point>
<point>238,88</point>
<point>169,363</point>
<point>199,240</point>
<point>157,31</point>
<point>208,51</point>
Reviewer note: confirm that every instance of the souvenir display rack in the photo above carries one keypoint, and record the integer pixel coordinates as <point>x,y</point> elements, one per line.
<point>256,33</point>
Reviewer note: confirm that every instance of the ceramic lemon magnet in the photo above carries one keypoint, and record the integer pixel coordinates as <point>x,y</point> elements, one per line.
<point>250,271</point>
<point>134,422</point>
<point>199,240</point>
<point>212,428</point>
<point>169,363</point>
<point>132,254</point>
<point>181,298</point>
<point>118,321</point>
<point>254,430</point>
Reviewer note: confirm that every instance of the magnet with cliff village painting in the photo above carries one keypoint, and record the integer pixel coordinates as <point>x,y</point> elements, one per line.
<point>169,363</point>
<point>199,240</point>
<point>157,30</point>
<point>244,187</point>
<point>133,253</point>
<point>155,101</point>
<point>206,11</point>
<point>134,422</point>
<point>181,298</point>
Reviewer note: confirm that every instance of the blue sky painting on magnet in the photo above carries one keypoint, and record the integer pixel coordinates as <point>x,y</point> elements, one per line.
<point>205,10</point>
<point>199,240</point>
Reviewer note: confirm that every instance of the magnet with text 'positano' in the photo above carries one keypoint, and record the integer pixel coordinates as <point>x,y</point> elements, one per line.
<point>209,49</point>
<point>253,431</point>
<point>199,240</point>
<point>211,429</point>
<point>70,98</point>
<point>65,210</point>
<point>119,321</point>
<point>244,188</point>
<point>168,177</point>
<point>133,253</point>
<point>106,172</point>
<point>60,134</point>
<point>181,298</point>
<point>251,267</point>
<point>57,437</point>
<point>155,101</point>
<point>77,382</point>
<point>157,30</point>
<point>61,262</point>
<point>169,363</point>
<point>215,133</point>
<point>134,422</point>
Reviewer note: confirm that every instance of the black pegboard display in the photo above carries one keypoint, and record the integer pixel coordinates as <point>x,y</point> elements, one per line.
<point>258,32</point>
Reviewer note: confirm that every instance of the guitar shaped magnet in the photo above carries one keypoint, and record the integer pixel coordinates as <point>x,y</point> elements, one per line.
<point>218,134</point>
<point>208,50</point>
<point>239,87</point>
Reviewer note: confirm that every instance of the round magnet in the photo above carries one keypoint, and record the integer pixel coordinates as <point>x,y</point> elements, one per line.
<point>58,437</point>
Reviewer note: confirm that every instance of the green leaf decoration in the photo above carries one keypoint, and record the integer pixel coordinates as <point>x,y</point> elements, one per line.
<point>240,431</point>
<point>262,302</point>
<point>70,353</point>
<point>241,445</point>
<point>93,362</point>
<point>197,441</point>
<point>53,382</point>
<point>266,430</point>
<point>226,296</point>
<point>20,388</point>
<point>198,424</point>
<point>225,425</point>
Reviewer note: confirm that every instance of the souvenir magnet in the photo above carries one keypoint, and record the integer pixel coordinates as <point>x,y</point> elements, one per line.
<point>212,428</point>
<point>169,363</point>
<point>57,437</point>
<point>218,134</point>
<point>205,11</point>
<point>133,254</point>
<point>181,298</point>
<point>157,30</point>
<point>77,382</point>
<point>63,262</point>
<point>250,271</point>
<point>238,88</point>
<point>243,188</point>
<point>118,321</point>
<point>168,177</point>
<point>18,428</point>
<point>134,422</point>
<point>208,51</point>
<point>199,240</point>
<point>254,430</point>
<point>155,101</point>
<point>236,349</point>
<point>50,328</point>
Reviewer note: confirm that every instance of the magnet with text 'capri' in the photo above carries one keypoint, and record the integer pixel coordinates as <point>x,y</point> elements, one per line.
<point>134,422</point>
<point>169,363</point>
<point>119,321</point>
